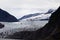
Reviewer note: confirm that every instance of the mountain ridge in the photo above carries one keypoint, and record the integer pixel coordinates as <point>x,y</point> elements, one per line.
<point>6,17</point>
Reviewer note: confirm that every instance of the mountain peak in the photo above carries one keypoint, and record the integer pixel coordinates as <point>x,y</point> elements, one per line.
<point>6,17</point>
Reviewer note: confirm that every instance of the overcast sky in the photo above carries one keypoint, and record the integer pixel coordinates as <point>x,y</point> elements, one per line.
<point>18,8</point>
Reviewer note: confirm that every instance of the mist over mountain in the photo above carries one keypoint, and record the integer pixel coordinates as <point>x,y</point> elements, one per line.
<point>6,17</point>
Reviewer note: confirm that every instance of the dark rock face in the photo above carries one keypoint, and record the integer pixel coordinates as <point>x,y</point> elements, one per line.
<point>52,29</point>
<point>6,17</point>
<point>1,25</point>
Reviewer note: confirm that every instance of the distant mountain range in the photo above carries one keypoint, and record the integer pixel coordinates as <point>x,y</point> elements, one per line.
<point>42,17</point>
<point>29,15</point>
<point>37,16</point>
<point>6,17</point>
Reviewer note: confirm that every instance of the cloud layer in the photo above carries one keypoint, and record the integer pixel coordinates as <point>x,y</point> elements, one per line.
<point>22,7</point>
<point>29,3</point>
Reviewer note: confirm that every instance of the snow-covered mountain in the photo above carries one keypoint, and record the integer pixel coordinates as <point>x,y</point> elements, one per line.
<point>29,15</point>
<point>50,11</point>
<point>37,16</point>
